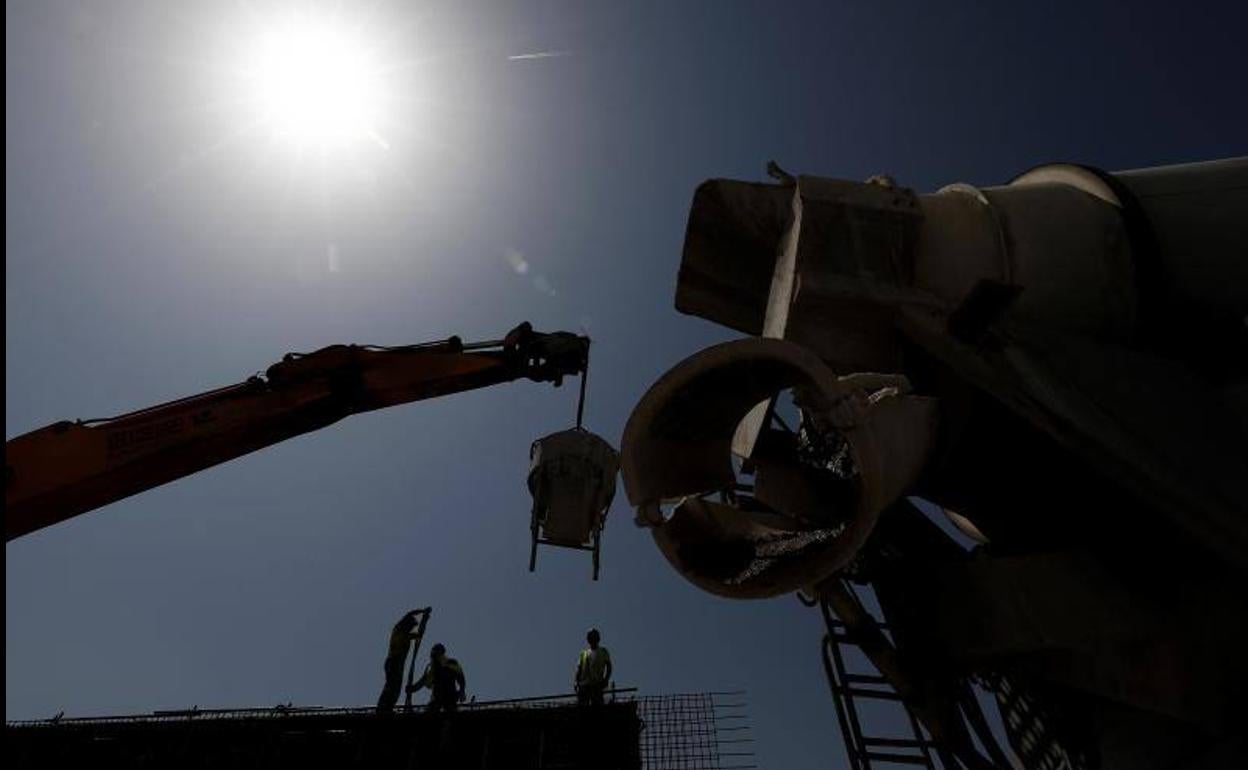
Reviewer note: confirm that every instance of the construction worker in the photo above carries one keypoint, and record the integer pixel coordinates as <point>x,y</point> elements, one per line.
<point>445,678</point>
<point>396,655</point>
<point>593,670</point>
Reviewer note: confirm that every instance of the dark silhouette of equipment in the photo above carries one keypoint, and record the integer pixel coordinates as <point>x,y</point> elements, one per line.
<point>417,637</point>
<point>1058,366</point>
<point>69,468</point>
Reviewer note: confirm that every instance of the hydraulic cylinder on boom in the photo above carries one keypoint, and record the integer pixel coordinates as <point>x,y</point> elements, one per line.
<point>72,467</point>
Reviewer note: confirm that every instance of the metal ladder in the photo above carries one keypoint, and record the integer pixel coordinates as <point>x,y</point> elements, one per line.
<point>848,687</point>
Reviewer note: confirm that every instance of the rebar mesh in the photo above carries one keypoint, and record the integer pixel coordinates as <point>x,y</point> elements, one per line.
<point>695,731</point>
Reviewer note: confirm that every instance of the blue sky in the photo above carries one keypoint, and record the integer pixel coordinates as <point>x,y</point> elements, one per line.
<point>158,245</point>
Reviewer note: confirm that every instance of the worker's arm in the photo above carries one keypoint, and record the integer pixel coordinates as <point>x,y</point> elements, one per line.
<point>426,680</point>
<point>68,468</point>
<point>606,667</point>
<point>459,679</point>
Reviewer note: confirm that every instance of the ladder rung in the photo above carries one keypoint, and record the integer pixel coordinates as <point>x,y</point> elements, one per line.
<point>865,679</point>
<point>862,692</point>
<point>838,623</point>
<point>886,756</point>
<point>910,743</point>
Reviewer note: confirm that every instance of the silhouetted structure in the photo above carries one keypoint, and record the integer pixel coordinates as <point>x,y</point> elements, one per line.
<point>1060,363</point>
<point>693,731</point>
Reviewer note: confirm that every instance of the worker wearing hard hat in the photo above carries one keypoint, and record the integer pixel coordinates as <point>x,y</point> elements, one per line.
<point>445,678</point>
<point>400,638</point>
<point>593,670</point>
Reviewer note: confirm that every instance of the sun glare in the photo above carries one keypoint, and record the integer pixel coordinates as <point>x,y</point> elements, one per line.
<point>316,85</point>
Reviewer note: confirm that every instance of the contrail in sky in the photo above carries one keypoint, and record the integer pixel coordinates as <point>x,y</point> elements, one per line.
<point>539,55</point>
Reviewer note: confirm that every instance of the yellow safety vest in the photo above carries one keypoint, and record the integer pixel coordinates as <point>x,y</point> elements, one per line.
<point>591,667</point>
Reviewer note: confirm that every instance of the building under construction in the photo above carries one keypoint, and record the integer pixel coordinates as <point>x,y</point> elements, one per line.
<point>1057,366</point>
<point>702,731</point>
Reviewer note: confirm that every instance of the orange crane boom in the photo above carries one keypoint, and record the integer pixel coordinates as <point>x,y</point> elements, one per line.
<point>69,468</point>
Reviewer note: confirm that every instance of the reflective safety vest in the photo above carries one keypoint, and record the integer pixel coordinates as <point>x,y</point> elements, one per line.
<point>401,637</point>
<point>591,667</point>
<point>442,679</point>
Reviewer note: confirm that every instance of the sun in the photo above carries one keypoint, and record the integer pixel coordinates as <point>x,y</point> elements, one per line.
<point>316,84</point>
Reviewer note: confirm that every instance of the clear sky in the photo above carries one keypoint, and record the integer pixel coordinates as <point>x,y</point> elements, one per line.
<point>161,240</point>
